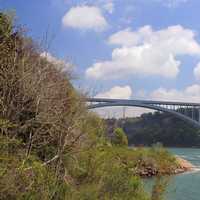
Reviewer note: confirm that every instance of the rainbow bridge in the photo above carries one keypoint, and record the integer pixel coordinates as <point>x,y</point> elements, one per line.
<point>189,112</point>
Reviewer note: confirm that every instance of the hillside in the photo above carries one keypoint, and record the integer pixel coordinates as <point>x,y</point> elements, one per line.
<point>156,127</point>
<point>51,146</point>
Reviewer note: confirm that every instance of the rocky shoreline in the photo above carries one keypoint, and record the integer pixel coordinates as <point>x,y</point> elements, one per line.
<point>182,166</point>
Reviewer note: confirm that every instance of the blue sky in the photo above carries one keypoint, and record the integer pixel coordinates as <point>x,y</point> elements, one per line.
<point>121,48</point>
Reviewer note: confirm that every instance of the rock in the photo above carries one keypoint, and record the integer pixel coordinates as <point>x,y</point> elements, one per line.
<point>184,165</point>
<point>149,171</point>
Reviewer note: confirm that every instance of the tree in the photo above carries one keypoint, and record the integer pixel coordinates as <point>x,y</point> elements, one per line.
<point>120,137</point>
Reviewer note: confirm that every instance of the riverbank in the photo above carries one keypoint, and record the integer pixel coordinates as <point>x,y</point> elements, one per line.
<point>184,165</point>
<point>182,186</point>
<point>181,166</point>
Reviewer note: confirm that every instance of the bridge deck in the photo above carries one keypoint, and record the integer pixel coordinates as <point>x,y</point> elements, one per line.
<point>178,109</point>
<point>143,101</point>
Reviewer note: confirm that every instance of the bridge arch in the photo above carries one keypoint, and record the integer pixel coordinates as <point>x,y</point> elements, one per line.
<point>149,106</point>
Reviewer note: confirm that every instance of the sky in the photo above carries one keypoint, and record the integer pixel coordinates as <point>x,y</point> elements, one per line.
<point>130,49</point>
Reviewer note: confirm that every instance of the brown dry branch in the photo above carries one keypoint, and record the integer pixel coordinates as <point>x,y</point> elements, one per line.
<point>37,96</point>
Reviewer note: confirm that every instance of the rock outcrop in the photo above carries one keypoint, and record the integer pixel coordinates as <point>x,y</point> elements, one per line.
<point>184,165</point>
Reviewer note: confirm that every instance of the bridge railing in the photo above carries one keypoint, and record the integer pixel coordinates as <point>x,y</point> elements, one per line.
<point>185,110</point>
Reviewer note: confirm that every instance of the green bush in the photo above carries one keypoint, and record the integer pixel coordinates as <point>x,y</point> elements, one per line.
<point>105,172</point>
<point>119,137</point>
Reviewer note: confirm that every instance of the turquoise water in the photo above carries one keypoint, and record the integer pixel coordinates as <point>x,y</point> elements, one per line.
<point>185,186</point>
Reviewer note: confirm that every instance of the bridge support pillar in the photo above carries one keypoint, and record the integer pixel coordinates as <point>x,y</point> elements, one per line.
<point>192,112</point>
<point>199,113</point>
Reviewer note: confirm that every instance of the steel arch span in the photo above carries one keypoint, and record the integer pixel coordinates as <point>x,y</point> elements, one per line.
<point>174,108</point>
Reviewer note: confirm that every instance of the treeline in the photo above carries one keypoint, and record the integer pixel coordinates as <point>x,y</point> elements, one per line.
<point>51,146</point>
<point>158,127</point>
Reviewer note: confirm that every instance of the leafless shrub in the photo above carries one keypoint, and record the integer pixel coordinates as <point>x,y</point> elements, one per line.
<point>38,98</point>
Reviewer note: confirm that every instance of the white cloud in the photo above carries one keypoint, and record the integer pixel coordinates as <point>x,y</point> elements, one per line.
<point>61,64</point>
<point>172,3</point>
<point>117,92</point>
<point>85,18</point>
<point>146,52</point>
<point>106,5</point>
<point>109,7</point>
<point>51,58</point>
<point>119,112</point>
<point>188,94</point>
<point>197,71</point>
<point>125,37</point>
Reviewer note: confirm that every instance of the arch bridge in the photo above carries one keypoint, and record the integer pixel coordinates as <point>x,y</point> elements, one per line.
<point>189,112</point>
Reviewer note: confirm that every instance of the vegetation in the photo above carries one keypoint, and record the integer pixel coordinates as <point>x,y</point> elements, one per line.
<point>157,127</point>
<point>119,138</point>
<point>51,146</point>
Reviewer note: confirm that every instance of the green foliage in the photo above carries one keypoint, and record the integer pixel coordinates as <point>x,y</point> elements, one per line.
<point>34,182</point>
<point>51,147</point>
<point>120,137</point>
<point>159,188</point>
<point>105,173</point>
<point>156,127</point>
<point>6,25</point>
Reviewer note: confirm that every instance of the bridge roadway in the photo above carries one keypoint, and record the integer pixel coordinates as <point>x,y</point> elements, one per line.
<point>187,111</point>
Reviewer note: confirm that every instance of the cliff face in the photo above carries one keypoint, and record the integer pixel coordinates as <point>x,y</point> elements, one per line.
<point>158,127</point>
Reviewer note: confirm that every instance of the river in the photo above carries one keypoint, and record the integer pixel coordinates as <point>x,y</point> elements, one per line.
<point>184,186</point>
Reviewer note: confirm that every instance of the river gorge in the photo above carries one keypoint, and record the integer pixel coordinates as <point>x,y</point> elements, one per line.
<point>185,186</point>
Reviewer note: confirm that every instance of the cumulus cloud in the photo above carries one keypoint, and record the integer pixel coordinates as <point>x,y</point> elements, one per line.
<point>117,92</point>
<point>172,3</point>
<point>120,112</point>
<point>109,7</point>
<point>85,18</point>
<point>105,5</point>
<point>125,37</point>
<point>197,71</point>
<point>61,64</point>
<point>146,52</point>
<point>51,58</point>
<point>188,94</point>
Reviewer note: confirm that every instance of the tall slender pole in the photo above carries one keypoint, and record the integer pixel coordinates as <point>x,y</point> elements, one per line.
<point>124,112</point>
<point>192,112</point>
<point>199,113</point>
<point>185,110</point>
